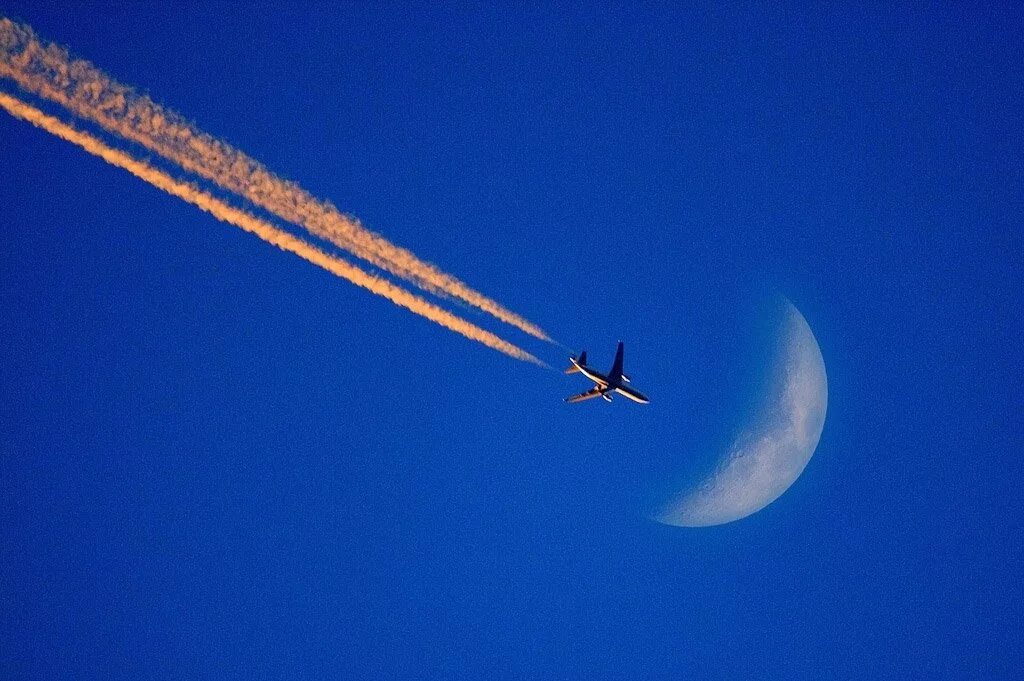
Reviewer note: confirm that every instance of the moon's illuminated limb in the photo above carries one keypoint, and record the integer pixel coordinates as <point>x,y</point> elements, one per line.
<point>769,453</point>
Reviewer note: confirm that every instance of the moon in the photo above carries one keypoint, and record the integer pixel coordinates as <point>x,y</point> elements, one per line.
<point>770,452</point>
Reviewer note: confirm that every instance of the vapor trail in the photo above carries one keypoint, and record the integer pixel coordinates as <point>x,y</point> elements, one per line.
<point>49,71</point>
<point>261,228</point>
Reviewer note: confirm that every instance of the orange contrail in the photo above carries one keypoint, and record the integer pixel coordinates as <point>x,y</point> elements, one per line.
<point>261,228</point>
<point>49,71</point>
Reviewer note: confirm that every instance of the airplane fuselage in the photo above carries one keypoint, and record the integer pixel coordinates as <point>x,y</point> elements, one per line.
<point>619,387</point>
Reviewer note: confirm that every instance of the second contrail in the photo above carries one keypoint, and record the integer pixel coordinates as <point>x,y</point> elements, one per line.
<point>261,228</point>
<point>49,71</point>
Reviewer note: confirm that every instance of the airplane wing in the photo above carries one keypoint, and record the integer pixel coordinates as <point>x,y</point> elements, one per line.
<point>589,395</point>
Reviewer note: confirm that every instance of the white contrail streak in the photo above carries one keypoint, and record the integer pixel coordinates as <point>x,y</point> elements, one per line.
<point>264,230</point>
<point>48,71</point>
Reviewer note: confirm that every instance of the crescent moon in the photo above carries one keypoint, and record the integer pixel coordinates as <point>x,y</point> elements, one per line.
<point>770,453</point>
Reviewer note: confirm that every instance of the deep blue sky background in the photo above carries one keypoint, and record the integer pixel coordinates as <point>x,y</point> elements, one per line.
<point>217,461</point>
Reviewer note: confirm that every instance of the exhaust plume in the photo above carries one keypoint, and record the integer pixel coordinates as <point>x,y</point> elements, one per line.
<point>49,71</point>
<point>261,228</point>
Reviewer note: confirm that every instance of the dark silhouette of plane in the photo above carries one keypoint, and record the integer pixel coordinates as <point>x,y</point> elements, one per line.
<point>606,385</point>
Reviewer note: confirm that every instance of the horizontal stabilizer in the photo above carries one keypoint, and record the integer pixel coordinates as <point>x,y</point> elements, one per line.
<point>577,362</point>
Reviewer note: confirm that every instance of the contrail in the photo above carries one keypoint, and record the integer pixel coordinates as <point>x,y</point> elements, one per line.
<point>264,230</point>
<point>49,71</point>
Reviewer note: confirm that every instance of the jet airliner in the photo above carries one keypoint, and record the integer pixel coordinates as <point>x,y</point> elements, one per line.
<point>606,385</point>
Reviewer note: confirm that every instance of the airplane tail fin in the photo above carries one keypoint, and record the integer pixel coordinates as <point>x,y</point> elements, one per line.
<point>616,373</point>
<point>582,359</point>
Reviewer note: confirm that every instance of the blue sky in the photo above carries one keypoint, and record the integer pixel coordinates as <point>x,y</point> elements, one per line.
<point>219,461</point>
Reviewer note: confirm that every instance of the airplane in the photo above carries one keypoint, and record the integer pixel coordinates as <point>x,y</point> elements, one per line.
<point>614,382</point>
